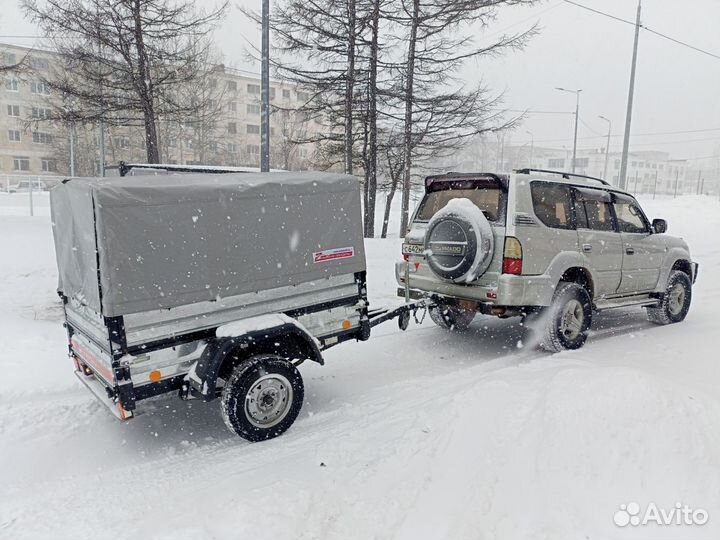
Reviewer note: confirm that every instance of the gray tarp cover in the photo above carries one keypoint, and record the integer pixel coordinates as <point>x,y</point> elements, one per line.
<point>164,241</point>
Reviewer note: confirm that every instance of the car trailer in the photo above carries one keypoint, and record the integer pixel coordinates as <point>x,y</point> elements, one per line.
<point>212,284</point>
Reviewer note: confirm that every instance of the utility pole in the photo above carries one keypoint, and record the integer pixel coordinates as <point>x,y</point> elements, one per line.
<point>577,120</point>
<point>631,94</point>
<point>265,90</point>
<point>72,149</point>
<point>697,189</point>
<point>655,187</point>
<point>532,147</point>
<point>677,176</point>
<point>607,147</point>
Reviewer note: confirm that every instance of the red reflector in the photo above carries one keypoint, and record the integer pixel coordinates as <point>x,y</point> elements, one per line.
<point>512,266</point>
<point>406,257</point>
<point>491,295</point>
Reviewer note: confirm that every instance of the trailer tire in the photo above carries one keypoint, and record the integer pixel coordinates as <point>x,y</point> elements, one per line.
<point>262,398</point>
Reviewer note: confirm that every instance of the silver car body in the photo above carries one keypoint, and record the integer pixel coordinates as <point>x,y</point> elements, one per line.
<point>619,266</point>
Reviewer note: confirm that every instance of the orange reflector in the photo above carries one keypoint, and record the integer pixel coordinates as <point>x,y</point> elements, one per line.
<point>155,376</point>
<point>346,325</point>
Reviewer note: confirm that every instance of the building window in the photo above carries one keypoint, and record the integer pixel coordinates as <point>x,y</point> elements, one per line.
<point>232,86</point>
<point>253,109</point>
<point>556,163</point>
<point>303,96</point>
<point>617,163</point>
<point>39,63</point>
<point>14,135</point>
<point>212,83</point>
<point>232,148</point>
<point>48,165</point>
<point>272,93</point>
<point>10,59</point>
<point>38,137</point>
<point>253,129</point>
<point>11,85</point>
<point>172,142</point>
<point>39,88</point>
<point>232,128</point>
<point>633,164</point>
<point>286,94</point>
<point>253,89</point>
<point>21,163</point>
<point>212,146</point>
<point>582,163</point>
<point>13,110</point>
<point>253,149</point>
<point>123,142</point>
<point>232,106</point>
<point>40,112</point>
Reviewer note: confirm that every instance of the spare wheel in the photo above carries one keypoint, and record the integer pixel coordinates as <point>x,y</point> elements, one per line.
<point>459,242</point>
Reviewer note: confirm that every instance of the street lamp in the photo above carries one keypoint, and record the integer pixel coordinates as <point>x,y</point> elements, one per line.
<point>532,146</point>
<point>607,147</point>
<point>577,119</point>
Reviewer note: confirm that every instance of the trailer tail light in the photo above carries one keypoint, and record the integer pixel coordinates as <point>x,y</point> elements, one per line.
<point>406,257</point>
<point>512,257</point>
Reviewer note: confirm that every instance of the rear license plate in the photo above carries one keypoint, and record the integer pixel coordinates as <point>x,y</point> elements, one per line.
<point>413,249</point>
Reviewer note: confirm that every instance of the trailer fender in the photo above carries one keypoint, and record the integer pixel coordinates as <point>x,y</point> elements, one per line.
<point>223,353</point>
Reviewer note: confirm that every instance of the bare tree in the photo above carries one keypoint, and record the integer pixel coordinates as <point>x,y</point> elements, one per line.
<point>439,39</point>
<point>123,57</point>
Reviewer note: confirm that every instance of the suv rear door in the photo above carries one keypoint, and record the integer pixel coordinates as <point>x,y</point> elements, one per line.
<point>598,238</point>
<point>642,252</point>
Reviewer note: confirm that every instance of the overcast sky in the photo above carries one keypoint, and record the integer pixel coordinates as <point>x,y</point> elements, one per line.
<point>678,89</point>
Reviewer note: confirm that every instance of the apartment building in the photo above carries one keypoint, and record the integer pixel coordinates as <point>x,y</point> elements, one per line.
<point>31,144</point>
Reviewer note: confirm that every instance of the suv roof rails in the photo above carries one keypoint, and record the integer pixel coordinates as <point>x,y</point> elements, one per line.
<point>565,175</point>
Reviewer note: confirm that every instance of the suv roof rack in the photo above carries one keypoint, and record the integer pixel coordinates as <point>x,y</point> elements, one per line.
<point>565,175</point>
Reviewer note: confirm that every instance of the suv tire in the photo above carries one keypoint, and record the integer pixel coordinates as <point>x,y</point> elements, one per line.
<point>568,319</point>
<point>675,302</point>
<point>451,317</point>
<point>262,398</point>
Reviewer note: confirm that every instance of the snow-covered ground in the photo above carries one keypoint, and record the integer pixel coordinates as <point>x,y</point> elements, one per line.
<point>422,435</point>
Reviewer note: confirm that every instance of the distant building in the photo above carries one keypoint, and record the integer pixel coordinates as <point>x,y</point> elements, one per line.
<point>32,145</point>
<point>648,171</point>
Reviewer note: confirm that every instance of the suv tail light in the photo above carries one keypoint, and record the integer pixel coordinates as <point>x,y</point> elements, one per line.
<point>512,256</point>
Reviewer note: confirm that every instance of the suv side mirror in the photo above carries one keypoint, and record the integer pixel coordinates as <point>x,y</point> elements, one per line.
<point>659,226</point>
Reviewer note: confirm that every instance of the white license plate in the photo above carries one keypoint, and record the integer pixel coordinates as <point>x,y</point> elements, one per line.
<point>413,249</point>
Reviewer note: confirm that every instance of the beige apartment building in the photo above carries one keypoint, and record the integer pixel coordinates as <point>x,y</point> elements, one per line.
<point>32,145</point>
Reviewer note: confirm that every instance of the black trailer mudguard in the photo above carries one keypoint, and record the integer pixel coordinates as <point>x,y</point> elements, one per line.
<point>223,354</point>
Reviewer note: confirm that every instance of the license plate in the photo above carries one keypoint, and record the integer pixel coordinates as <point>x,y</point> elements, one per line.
<point>413,249</point>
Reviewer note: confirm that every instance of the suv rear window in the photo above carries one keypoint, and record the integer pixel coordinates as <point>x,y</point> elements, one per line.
<point>488,199</point>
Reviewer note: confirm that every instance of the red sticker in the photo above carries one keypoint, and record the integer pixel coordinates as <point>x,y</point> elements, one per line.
<point>333,254</point>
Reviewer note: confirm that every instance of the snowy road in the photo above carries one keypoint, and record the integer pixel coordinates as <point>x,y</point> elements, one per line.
<point>426,435</point>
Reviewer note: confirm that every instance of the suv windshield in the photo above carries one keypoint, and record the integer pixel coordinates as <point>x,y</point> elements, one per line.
<point>486,198</point>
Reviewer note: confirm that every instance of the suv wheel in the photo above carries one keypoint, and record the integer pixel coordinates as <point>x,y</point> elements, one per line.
<point>675,303</point>
<point>262,398</point>
<point>569,318</point>
<point>451,317</point>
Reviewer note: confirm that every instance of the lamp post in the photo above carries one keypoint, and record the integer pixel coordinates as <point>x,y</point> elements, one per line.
<point>532,147</point>
<point>607,146</point>
<point>265,90</point>
<point>577,119</point>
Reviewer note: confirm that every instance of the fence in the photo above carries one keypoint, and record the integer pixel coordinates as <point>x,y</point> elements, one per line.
<point>26,194</point>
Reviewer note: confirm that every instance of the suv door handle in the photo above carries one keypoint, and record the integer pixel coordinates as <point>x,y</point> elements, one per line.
<point>587,248</point>
<point>630,250</point>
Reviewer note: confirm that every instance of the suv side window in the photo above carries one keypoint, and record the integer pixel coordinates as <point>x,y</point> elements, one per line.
<point>629,216</point>
<point>552,204</point>
<point>594,209</point>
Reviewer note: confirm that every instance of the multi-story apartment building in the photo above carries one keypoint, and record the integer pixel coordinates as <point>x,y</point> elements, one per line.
<point>227,133</point>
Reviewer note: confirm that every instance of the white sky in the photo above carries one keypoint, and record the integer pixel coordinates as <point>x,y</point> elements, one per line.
<point>677,89</point>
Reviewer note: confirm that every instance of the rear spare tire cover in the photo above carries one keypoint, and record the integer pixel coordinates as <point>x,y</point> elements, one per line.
<point>459,242</point>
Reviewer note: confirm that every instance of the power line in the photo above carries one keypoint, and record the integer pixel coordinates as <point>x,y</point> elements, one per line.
<point>615,135</point>
<point>659,34</point>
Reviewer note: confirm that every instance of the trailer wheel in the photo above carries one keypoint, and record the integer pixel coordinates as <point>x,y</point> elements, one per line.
<point>262,398</point>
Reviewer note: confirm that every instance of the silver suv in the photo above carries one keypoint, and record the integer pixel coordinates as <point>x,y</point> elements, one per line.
<point>548,245</point>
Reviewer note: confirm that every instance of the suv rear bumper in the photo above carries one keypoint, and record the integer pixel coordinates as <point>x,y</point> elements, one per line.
<point>505,290</point>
